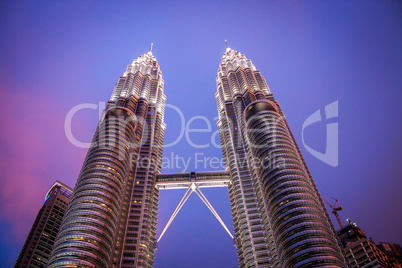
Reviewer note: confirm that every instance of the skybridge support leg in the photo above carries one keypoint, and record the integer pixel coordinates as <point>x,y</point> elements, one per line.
<point>194,188</point>
<point>211,208</point>
<point>179,206</point>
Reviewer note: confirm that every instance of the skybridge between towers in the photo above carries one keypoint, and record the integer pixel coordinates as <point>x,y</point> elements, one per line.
<point>184,180</point>
<point>192,181</point>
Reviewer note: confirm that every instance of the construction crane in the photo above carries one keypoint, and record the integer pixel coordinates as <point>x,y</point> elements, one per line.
<point>335,208</point>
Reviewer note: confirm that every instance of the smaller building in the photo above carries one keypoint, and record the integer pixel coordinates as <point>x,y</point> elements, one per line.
<point>393,251</point>
<point>40,240</point>
<point>362,252</point>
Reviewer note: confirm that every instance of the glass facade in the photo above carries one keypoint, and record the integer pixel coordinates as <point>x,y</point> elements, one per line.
<point>41,238</point>
<point>111,219</point>
<point>278,216</point>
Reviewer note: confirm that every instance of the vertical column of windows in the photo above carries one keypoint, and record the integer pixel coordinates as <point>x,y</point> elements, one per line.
<point>129,252</point>
<point>254,209</point>
<point>137,84</point>
<point>233,84</point>
<point>141,224</point>
<point>127,85</point>
<point>145,88</point>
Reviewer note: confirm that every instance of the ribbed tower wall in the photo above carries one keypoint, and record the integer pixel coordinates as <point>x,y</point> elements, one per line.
<point>111,219</point>
<point>239,84</point>
<point>302,233</point>
<point>90,224</point>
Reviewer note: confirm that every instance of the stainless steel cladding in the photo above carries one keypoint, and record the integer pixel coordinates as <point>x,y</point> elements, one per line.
<point>302,233</point>
<point>111,219</point>
<point>278,216</point>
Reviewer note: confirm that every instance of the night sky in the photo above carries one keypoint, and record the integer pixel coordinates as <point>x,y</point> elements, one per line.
<point>56,55</point>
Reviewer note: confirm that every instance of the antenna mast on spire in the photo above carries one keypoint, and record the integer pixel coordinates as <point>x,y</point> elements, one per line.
<point>227,46</point>
<point>150,50</point>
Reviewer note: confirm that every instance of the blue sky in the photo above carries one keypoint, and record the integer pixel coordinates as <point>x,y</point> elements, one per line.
<point>59,54</point>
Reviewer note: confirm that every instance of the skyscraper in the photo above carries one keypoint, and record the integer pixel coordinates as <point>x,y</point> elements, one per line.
<point>111,219</point>
<point>278,215</point>
<point>362,252</point>
<point>40,240</point>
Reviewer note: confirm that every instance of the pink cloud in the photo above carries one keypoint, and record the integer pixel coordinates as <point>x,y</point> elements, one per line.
<point>34,153</point>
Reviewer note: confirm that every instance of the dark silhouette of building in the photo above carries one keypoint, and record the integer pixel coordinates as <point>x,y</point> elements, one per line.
<point>362,252</point>
<point>393,251</point>
<point>40,240</point>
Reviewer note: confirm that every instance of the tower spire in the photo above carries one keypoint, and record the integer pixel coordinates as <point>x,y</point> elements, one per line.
<point>150,50</point>
<point>227,46</point>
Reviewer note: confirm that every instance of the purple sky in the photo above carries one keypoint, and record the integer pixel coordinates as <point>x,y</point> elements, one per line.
<point>59,54</point>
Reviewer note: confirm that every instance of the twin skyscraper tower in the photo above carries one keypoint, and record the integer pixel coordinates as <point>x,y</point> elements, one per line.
<point>278,215</point>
